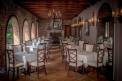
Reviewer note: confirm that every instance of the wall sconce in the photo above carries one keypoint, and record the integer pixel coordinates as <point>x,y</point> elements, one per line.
<point>92,20</point>
<point>79,23</point>
<point>74,25</point>
<point>117,13</point>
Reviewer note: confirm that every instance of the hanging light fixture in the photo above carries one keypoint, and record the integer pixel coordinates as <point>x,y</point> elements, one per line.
<point>54,14</point>
<point>55,17</point>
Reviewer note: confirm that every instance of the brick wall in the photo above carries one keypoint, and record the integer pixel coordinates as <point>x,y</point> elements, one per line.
<point>8,9</point>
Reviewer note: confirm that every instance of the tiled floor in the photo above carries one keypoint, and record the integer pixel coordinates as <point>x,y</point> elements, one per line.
<point>56,72</point>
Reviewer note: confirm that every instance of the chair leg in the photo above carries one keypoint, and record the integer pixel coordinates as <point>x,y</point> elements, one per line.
<point>8,73</point>
<point>37,71</point>
<point>65,65</point>
<point>29,70</point>
<point>62,58</point>
<point>18,72</point>
<point>45,56</point>
<point>84,70</point>
<point>97,71</point>
<point>68,70</point>
<point>24,72</point>
<point>48,54</point>
<point>13,77</point>
<point>76,68</point>
<point>45,71</point>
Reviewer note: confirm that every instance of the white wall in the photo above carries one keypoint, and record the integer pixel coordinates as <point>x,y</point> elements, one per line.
<point>87,14</point>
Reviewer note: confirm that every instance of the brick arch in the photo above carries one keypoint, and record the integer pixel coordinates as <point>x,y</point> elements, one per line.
<point>33,30</point>
<point>26,31</point>
<point>13,20</point>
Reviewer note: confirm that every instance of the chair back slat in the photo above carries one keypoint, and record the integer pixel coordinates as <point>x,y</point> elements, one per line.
<point>100,56</point>
<point>17,48</point>
<point>41,53</point>
<point>11,57</point>
<point>64,48</point>
<point>72,55</point>
<point>110,56</point>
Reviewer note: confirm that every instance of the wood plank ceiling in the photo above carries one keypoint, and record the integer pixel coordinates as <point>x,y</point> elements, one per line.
<point>68,8</point>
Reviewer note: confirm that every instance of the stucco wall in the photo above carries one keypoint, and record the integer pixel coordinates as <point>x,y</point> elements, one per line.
<point>87,14</point>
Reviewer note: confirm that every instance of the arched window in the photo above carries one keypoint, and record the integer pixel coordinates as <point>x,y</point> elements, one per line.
<point>12,34</point>
<point>26,34</point>
<point>33,31</point>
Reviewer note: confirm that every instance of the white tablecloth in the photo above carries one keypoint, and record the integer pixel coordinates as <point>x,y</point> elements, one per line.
<point>87,57</point>
<point>64,41</point>
<point>24,57</point>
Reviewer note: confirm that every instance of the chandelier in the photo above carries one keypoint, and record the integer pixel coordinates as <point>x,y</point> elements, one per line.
<point>55,19</point>
<point>54,14</point>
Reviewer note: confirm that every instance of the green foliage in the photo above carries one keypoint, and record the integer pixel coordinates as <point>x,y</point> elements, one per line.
<point>9,33</point>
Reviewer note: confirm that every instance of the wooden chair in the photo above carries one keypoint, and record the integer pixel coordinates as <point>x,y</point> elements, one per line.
<point>110,56</point>
<point>46,49</point>
<point>72,60</point>
<point>64,52</point>
<point>17,48</point>
<point>47,46</point>
<point>13,64</point>
<point>98,63</point>
<point>39,64</point>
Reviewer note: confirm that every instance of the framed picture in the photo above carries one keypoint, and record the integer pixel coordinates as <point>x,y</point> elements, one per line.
<point>57,24</point>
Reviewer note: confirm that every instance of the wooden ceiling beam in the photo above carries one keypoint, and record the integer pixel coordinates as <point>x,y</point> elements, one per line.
<point>50,1</point>
<point>55,2</point>
<point>54,8</point>
<point>77,5</point>
<point>64,6</point>
<point>55,5</point>
<point>68,8</point>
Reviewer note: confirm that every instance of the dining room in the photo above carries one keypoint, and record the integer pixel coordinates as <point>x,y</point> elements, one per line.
<point>60,40</point>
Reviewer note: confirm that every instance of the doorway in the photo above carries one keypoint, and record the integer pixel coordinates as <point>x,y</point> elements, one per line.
<point>105,35</point>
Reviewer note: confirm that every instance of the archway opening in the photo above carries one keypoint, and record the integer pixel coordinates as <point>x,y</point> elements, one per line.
<point>33,31</point>
<point>12,32</point>
<point>26,32</point>
<point>105,21</point>
<point>105,35</point>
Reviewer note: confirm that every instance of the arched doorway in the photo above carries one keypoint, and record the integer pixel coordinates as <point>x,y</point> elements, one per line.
<point>105,21</point>
<point>12,32</point>
<point>105,35</point>
<point>33,31</point>
<point>26,32</point>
